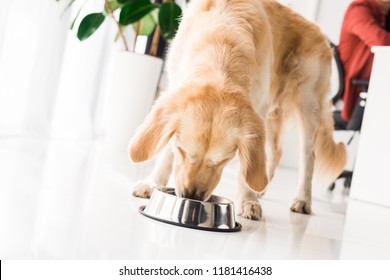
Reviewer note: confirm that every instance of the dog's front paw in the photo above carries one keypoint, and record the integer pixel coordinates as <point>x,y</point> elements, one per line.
<point>250,210</point>
<point>301,206</point>
<point>144,189</point>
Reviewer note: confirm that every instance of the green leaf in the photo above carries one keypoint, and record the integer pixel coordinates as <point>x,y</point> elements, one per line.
<point>89,25</point>
<point>147,25</point>
<point>126,1</point>
<point>114,4</point>
<point>169,18</point>
<point>134,11</point>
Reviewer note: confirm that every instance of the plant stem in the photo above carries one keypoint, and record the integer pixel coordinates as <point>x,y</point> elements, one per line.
<point>155,41</point>
<point>137,27</point>
<point>109,9</point>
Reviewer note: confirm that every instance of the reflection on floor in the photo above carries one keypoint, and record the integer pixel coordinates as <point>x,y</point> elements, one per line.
<point>71,200</point>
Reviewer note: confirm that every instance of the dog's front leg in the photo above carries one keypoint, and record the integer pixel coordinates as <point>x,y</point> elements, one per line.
<point>159,176</point>
<point>248,204</point>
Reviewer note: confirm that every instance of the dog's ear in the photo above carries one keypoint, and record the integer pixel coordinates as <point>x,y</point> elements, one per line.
<point>153,134</point>
<point>252,154</point>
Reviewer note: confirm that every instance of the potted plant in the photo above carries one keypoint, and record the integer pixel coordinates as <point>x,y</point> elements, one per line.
<point>132,78</point>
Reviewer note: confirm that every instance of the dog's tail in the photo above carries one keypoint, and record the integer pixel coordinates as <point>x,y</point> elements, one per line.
<point>330,157</point>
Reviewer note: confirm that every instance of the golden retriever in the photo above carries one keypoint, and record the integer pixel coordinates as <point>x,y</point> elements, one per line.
<point>237,70</point>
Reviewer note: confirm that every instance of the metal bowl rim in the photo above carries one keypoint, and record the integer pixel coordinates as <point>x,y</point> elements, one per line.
<point>226,201</point>
<point>236,228</point>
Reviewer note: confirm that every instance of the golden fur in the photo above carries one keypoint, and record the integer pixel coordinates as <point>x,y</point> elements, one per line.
<point>237,70</point>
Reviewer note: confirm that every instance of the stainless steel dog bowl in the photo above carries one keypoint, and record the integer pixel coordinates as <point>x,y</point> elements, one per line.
<point>216,214</point>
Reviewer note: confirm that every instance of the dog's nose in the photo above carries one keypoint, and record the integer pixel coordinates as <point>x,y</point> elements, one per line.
<point>194,194</point>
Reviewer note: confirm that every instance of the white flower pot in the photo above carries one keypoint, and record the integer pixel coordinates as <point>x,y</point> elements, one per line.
<point>131,90</point>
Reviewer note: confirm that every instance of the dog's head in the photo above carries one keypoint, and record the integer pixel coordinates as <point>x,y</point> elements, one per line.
<point>207,129</point>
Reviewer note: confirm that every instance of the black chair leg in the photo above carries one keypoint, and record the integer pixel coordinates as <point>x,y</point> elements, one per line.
<point>347,175</point>
<point>357,116</point>
<point>331,186</point>
<point>347,182</point>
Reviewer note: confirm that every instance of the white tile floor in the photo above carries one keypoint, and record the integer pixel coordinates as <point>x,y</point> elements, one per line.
<point>71,200</point>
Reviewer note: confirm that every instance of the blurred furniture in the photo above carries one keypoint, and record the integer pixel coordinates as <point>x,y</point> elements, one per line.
<point>356,119</point>
<point>370,181</point>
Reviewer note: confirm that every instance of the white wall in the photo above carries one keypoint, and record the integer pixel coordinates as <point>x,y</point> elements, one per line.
<point>330,15</point>
<point>307,8</point>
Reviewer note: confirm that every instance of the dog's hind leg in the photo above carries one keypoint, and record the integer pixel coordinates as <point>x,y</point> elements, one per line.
<point>308,121</point>
<point>159,176</point>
